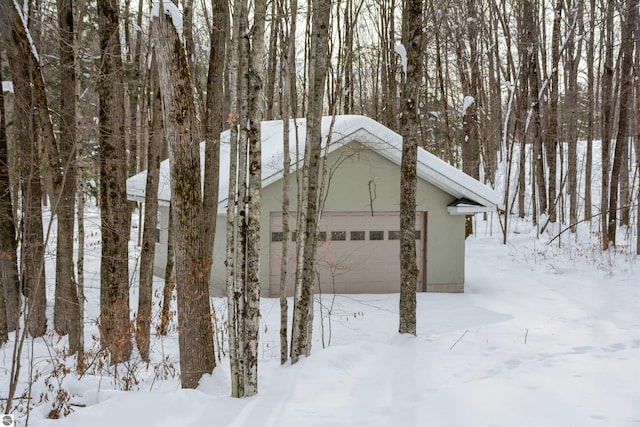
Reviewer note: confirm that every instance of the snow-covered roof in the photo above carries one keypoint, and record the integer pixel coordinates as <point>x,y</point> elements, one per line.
<point>341,130</point>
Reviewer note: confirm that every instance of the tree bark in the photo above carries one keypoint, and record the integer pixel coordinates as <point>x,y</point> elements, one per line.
<point>182,131</point>
<point>145,294</point>
<point>114,219</point>
<point>10,292</point>
<point>32,276</point>
<point>573,59</point>
<point>66,309</point>
<point>214,120</point>
<point>606,94</point>
<point>303,303</point>
<point>289,111</point>
<point>552,136</point>
<point>169,280</point>
<point>254,141</point>
<point>626,88</point>
<point>412,40</point>
<point>9,282</point>
<point>590,111</point>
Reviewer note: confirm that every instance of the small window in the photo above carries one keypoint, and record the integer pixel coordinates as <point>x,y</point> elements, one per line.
<point>157,235</point>
<point>294,236</point>
<point>322,236</point>
<point>394,235</point>
<point>376,235</point>
<point>357,235</point>
<point>276,236</point>
<point>418,233</point>
<point>338,235</point>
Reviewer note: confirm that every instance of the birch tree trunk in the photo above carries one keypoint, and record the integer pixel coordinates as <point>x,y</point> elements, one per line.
<point>303,304</point>
<point>289,110</point>
<point>245,186</point>
<point>254,141</point>
<point>234,295</point>
<point>182,131</point>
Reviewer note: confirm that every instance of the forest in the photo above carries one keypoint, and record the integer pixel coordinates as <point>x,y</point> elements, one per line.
<point>538,99</point>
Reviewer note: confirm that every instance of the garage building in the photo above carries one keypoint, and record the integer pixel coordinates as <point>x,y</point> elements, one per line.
<point>358,245</point>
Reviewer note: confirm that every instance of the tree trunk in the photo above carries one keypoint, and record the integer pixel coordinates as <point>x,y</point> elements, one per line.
<point>214,119</point>
<point>626,88</point>
<point>552,136</point>
<point>412,40</point>
<point>233,270</point>
<point>270,85</point>
<point>303,303</point>
<point>573,60</point>
<point>169,280</point>
<point>254,140</point>
<point>607,121</point>
<point>9,280</point>
<point>590,111</point>
<point>67,316</point>
<point>145,294</point>
<point>32,277</point>
<point>114,219</point>
<point>289,110</point>
<point>183,134</point>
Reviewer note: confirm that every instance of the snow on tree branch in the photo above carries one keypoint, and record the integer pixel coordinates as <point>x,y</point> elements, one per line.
<point>23,19</point>
<point>400,50</point>
<point>467,102</point>
<point>173,12</point>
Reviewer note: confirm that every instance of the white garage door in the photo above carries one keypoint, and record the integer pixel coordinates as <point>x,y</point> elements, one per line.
<point>357,252</point>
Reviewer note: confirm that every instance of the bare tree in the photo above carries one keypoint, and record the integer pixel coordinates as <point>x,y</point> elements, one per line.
<point>626,88</point>
<point>243,226</point>
<point>412,41</point>
<point>288,106</point>
<point>573,54</point>
<point>552,134</point>
<point>590,109</point>
<point>115,331</point>
<point>307,238</point>
<point>156,139</point>
<point>67,314</point>
<point>32,247</point>
<point>10,293</point>
<point>606,105</point>
<point>214,119</point>
<point>9,283</point>
<point>183,131</point>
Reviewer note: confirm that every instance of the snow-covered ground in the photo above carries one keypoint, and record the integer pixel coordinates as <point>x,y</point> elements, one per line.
<point>545,335</point>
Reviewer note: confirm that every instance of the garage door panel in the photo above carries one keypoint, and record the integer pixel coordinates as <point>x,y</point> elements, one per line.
<point>347,259</point>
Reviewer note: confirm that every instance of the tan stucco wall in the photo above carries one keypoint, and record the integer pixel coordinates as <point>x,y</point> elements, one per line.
<point>359,170</point>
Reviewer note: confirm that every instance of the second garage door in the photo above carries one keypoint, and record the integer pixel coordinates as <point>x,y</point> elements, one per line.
<point>357,252</point>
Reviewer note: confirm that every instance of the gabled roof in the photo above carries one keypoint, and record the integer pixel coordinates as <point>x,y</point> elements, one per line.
<point>341,130</point>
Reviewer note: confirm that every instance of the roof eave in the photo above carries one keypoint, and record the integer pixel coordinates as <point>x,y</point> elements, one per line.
<point>469,210</point>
